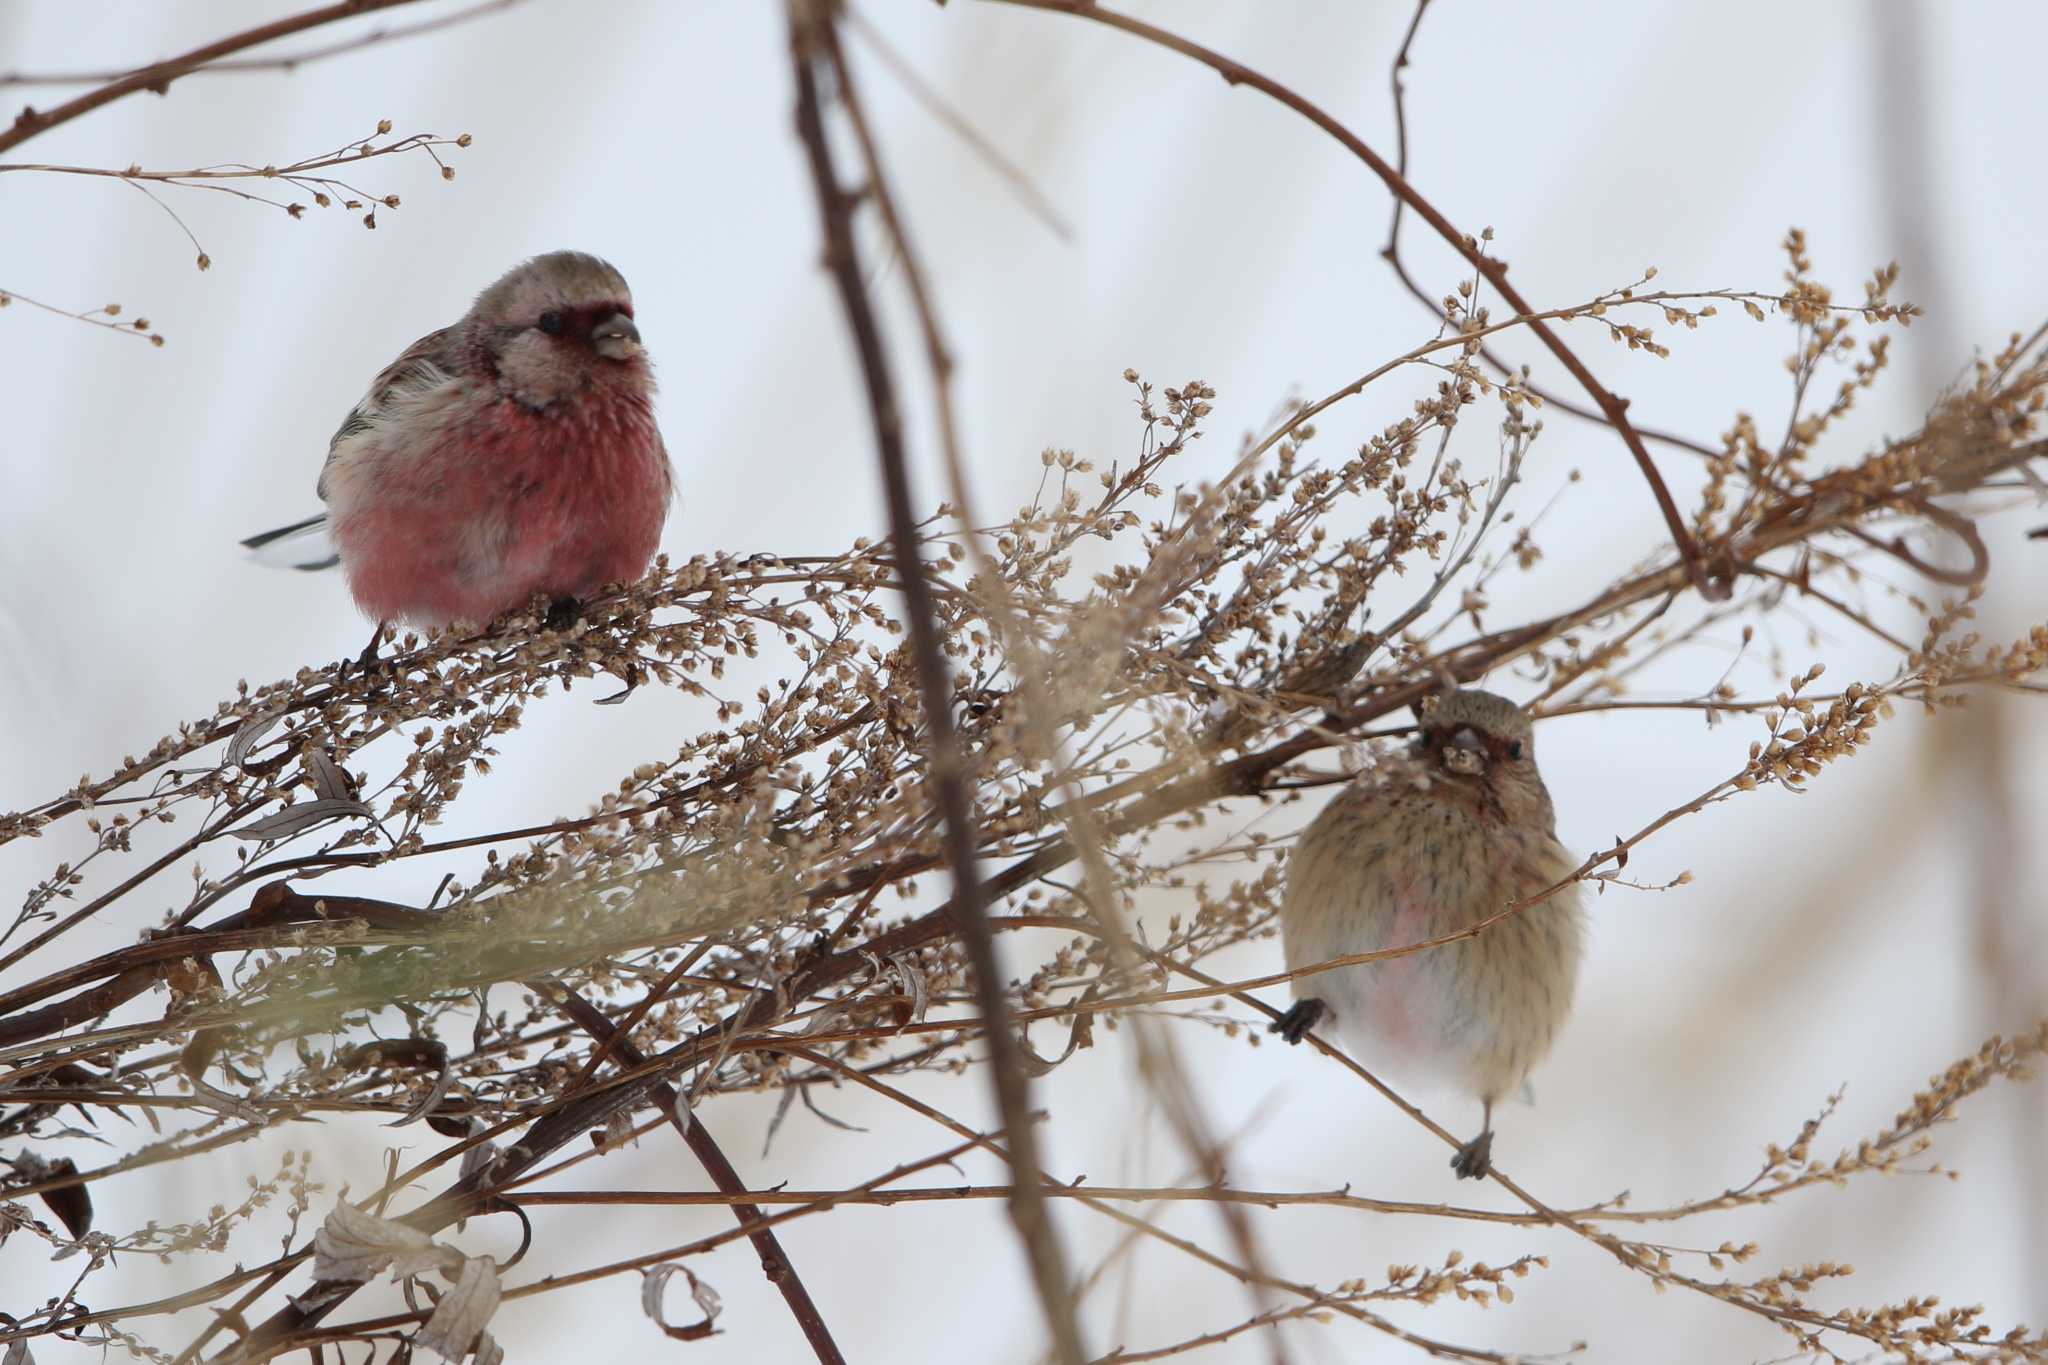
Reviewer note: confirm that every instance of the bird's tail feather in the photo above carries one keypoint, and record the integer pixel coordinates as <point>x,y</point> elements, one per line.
<point>301,545</point>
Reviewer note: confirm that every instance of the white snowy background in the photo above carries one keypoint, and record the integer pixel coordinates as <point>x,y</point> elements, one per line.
<point>1863,935</point>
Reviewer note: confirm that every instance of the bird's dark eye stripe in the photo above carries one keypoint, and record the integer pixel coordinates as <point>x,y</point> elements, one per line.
<point>551,323</point>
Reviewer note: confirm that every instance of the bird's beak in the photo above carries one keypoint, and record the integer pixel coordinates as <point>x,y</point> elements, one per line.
<point>1468,739</point>
<point>616,338</point>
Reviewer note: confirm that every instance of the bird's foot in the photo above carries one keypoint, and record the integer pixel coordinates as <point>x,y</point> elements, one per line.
<point>1296,1023</point>
<point>1475,1158</point>
<point>563,613</point>
<point>365,662</point>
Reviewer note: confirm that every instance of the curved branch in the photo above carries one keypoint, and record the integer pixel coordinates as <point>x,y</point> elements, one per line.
<point>159,77</point>
<point>1612,408</point>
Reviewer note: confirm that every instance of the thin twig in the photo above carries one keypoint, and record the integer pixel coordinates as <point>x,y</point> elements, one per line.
<point>935,104</point>
<point>286,62</point>
<point>775,1262</point>
<point>158,78</point>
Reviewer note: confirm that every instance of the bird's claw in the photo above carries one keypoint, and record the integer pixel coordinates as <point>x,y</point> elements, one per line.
<point>563,613</point>
<point>1475,1159</point>
<point>1296,1023</point>
<point>366,662</point>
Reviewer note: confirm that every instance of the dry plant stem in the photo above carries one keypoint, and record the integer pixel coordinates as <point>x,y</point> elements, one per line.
<point>775,1262</point>
<point>159,77</point>
<point>591,1117</point>
<point>1086,1196</point>
<point>1614,409</point>
<point>286,62</point>
<point>1165,1194</point>
<point>934,104</point>
<point>1624,1252</point>
<point>1157,1061</point>
<point>586,1110</point>
<point>810,23</point>
<point>307,1340</point>
<point>723,899</point>
<point>1391,252</point>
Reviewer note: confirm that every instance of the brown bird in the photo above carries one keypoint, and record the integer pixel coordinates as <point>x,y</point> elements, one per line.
<point>1425,844</point>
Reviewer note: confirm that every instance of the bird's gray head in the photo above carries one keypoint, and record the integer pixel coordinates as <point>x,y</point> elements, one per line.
<point>556,325</point>
<point>1484,738</point>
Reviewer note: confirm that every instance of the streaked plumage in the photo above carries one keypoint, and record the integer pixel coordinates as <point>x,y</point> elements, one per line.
<point>1429,842</point>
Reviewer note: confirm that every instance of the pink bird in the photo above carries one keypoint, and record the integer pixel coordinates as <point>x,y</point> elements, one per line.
<point>513,453</point>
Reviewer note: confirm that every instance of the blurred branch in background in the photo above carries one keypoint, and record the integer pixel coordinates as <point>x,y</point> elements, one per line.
<point>157,78</point>
<point>1974,765</point>
<point>286,62</point>
<point>1125,677</point>
<point>814,50</point>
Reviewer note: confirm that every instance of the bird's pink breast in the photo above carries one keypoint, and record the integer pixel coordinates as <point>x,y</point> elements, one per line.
<point>470,516</point>
<point>1399,993</point>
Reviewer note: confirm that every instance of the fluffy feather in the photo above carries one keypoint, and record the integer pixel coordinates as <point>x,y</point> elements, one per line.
<point>1428,843</point>
<point>513,453</point>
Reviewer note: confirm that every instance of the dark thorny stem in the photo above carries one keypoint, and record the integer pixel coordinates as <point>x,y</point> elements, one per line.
<point>948,776</point>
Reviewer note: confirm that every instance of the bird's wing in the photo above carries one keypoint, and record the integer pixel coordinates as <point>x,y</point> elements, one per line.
<point>427,363</point>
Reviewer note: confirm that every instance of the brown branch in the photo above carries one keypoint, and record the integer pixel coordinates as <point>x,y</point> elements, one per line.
<point>1391,253</point>
<point>1401,113</point>
<point>158,78</point>
<point>1614,409</point>
<point>811,23</point>
<point>287,62</point>
<point>547,1284</point>
<point>1243,1274</point>
<point>274,907</point>
<point>775,1262</point>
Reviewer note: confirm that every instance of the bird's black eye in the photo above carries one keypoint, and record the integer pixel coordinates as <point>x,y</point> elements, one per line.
<point>551,323</point>
<point>1514,748</point>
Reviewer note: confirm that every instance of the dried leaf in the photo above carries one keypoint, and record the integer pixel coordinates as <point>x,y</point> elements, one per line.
<point>249,735</point>
<point>459,1319</point>
<point>1081,1034</point>
<point>199,1052</point>
<point>221,1100</point>
<point>782,1108</point>
<point>330,782</point>
<point>654,1284</point>
<point>190,976</point>
<point>914,982</point>
<point>354,1245</point>
<point>811,1104</point>
<point>300,818</point>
